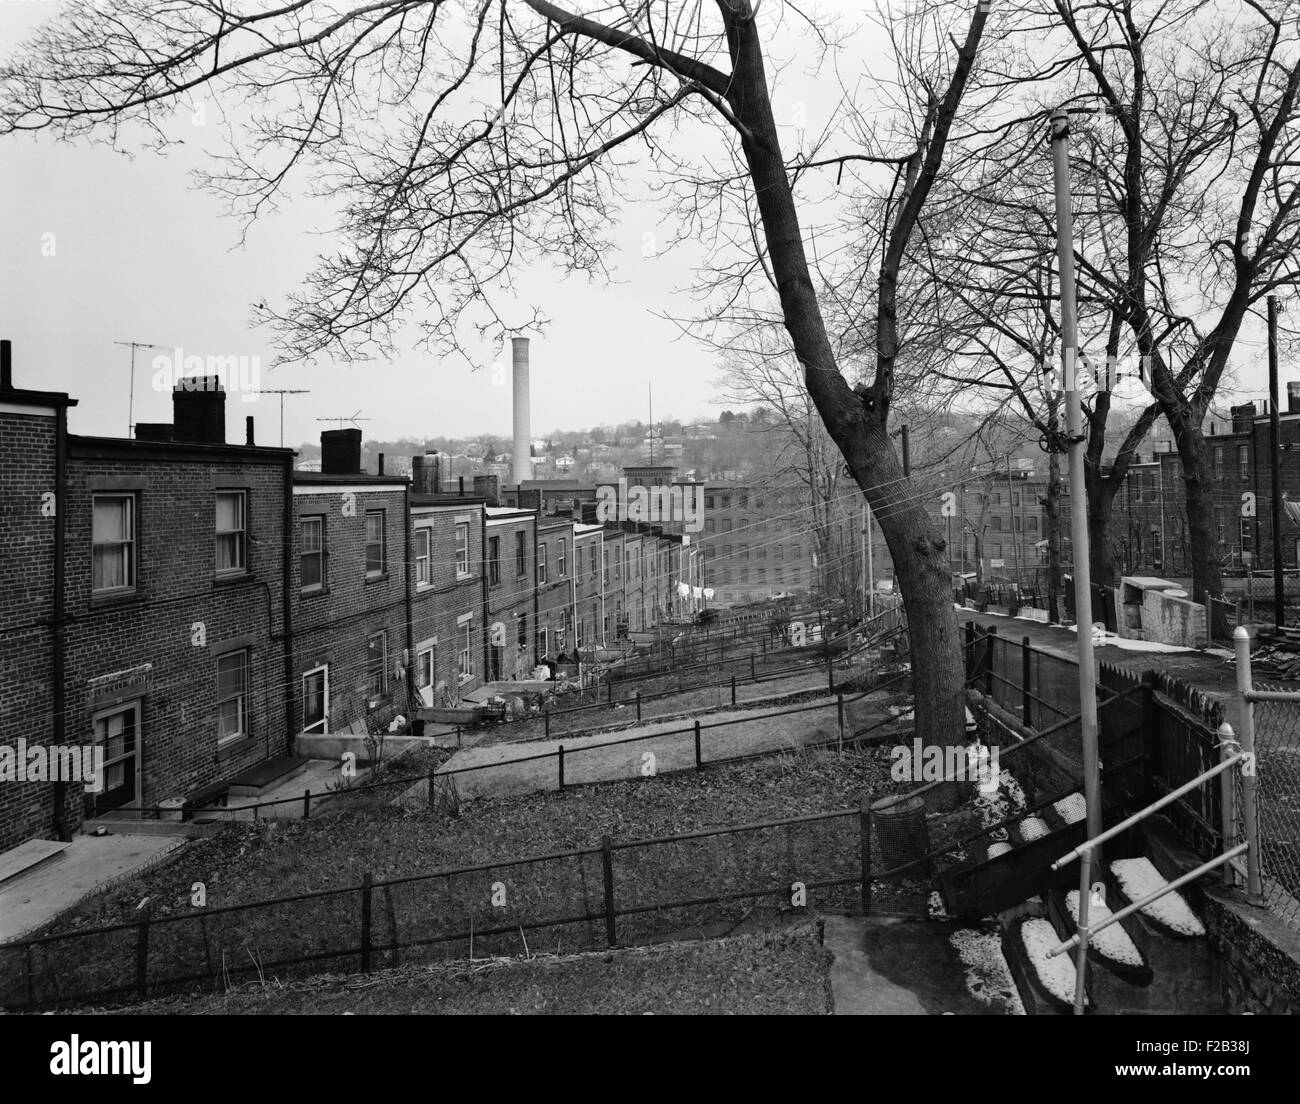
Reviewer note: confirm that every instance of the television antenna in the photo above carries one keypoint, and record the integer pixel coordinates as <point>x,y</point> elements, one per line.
<point>281,391</point>
<point>130,410</point>
<point>344,418</point>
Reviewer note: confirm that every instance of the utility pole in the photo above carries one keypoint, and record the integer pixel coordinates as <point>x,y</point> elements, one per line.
<point>1015,534</point>
<point>1275,465</point>
<point>130,410</point>
<point>1060,131</point>
<point>282,393</point>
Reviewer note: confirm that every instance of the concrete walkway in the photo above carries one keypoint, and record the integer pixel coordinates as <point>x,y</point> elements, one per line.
<point>512,769</point>
<point>886,966</point>
<point>89,863</point>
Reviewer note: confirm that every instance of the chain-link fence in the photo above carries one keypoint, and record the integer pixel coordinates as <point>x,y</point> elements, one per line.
<point>1277,756</point>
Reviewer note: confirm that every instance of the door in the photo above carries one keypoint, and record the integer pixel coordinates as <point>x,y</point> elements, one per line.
<point>117,733</point>
<point>316,700</point>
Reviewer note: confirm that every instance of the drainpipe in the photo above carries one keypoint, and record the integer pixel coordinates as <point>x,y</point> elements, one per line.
<point>537,614</point>
<point>483,580</point>
<point>286,567</point>
<point>407,522</point>
<point>61,811</point>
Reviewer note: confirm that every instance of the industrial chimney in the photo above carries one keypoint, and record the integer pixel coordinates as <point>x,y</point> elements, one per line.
<point>522,468</point>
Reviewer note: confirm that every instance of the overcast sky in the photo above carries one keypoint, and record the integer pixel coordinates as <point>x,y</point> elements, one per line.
<point>140,255</point>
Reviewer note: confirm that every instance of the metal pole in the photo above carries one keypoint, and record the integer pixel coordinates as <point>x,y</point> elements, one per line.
<point>871,565</point>
<point>1081,960</point>
<point>1246,733</point>
<point>1078,492</point>
<point>1015,537</point>
<point>1275,465</point>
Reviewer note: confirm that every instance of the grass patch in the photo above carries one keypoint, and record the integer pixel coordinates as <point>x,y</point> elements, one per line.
<point>247,863</point>
<point>779,973</point>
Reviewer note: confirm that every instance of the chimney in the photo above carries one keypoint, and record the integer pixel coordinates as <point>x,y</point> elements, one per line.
<point>1242,416</point>
<point>153,431</point>
<point>340,451</point>
<point>6,365</point>
<point>381,463</point>
<point>248,431</point>
<point>426,473</point>
<point>522,467</point>
<point>1292,397</point>
<point>488,488</point>
<point>199,410</point>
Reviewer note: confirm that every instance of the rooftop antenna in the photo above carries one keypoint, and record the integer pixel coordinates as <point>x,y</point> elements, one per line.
<point>282,392</point>
<point>130,410</point>
<point>345,418</point>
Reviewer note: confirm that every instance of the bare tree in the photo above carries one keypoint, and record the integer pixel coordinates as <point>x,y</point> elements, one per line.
<point>459,142</point>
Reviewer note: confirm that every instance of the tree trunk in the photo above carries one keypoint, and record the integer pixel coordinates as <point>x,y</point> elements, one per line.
<point>917,547</point>
<point>1198,482</point>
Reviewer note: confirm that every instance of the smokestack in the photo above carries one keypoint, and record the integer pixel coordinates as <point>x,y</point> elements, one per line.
<point>1293,397</point>
<point>6,365</point>
<point>426,473</point>
<point>340,451</point>
<point>522,467</point>
<point>199,410</point>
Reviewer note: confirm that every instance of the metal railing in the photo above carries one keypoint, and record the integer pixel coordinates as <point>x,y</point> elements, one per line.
<point>1234,754</point>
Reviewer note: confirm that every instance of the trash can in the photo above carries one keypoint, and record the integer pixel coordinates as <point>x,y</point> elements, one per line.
<point>902,834</point>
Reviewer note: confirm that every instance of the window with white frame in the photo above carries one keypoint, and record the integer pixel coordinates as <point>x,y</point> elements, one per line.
<point>113,541</point>
<point>376,560</point>
<point>543,644</point>
<point>230,535</point>
<point>426,666</point>
<point>560,562</point>
<point>312,559</point>
<point>315,699</point>
<point>423,547</point>
<point>465,634</point>
<point>541,562</point>
<point>232,696</point>
<point>377,664</point>
<point>462,549</point>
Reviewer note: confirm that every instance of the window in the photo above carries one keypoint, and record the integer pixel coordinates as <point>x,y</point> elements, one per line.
<point>422,576</point>
<point>465,661</point>
<point>1247,535</point>
<point>494,561</point>
<point>113,524</point>
<point>726,525</point>
<point>780,551</point>
<point>462,549</point>
<point>521,553</point>
<point>522,635</point>
<point>1020,523</point>
<point>561,564</point>
<point>997,524</point>
<point>1033,523</point>
<point>708,502</point>
<point>1243,461</point>
<point>744,574</point>
<point>377,664</point>
<point>232,696</point>
<point>997,552</point>
<point>604,563</point>
<point>543,644</point>
<point>1218,459</point>
<point>376,563</point>
<point>315,700</point>
<point>313,552</point>
<point>726,502</point>
<point>541,562</point>
<point>591,560</point>
<point>426,666</point>
<point>708,525</point>
<point>230,531</point>
<point>1218,521</point>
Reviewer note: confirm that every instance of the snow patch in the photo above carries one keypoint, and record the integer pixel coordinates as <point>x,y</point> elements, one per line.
<point>1137,878</point>
<point>1114,640</point>
<point>1072,808</point>
<point>988,978</point>
<point>1056,974</point>
<point>1113,942</point>
<point>998,848</point>
<point>1032,828</point>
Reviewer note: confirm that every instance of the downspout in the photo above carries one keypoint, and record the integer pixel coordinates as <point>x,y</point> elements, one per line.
<point>483,580</point>
<point>58,657</point>
<point>286,567</point>
<point>407,522</point>
<point>537,614</point>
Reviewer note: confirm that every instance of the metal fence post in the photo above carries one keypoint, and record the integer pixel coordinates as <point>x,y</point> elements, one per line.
<point>142,956</point>
<point>561,758</point>
<point>733,689</point>
<point>839,709</point>
<point>970,650</point>
<point>367,882</point>
<point>1228,798</point>
<point>990,640</point>
<point>864,838</point>
<point>1025,674</point>
<point>699,761</point>
<point>306,804</point>
<point>752,676</point>
<point>607,866</point>
<point>1249,796</point>
<point>546,718</point>
<point>638,706</point>
<point>433,786</point>
<point>830,669</point>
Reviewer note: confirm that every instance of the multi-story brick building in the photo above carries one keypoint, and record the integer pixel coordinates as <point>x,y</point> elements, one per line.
<point>614,611</point>
<point>589,594</point>
<point>352,637</point>
<point>33,463</point>
<point>756,543</point>
<point>555,594</point>
<point>510,610</point>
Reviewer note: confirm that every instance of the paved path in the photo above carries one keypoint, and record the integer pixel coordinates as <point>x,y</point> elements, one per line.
<point>511,769</point>
<point>88,864</point>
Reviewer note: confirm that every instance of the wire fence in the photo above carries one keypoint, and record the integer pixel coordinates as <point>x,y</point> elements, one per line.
<point>1277,758</point>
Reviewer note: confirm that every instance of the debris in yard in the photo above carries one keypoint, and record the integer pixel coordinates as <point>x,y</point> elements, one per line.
<point>935,906</point>
<point>988,978</point>
<point>1072,808</point>
<point>1112,942</point>
<point>1137,878</point>
<point>1007,800</point>
<point>1056,974</point>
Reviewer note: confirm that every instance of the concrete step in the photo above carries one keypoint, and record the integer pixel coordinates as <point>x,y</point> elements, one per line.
<point>124,825</point>
<point>273,772</point>
<point>24,858</point>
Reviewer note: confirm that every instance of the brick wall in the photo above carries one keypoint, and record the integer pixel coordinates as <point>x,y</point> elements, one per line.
<point>510,599</point>
<point>554,597</point>
<point>335,621</point>
<point>441,606</point>
<point>27,471</point>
